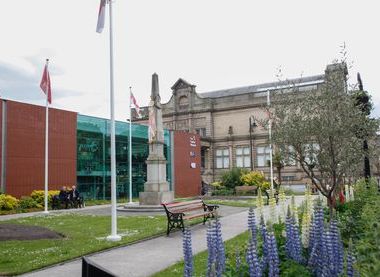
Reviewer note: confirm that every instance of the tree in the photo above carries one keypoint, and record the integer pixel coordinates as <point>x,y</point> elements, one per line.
<point>278,163</point>
<point>324,128</point>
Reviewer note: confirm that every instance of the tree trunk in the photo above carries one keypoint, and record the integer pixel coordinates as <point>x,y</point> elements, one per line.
<point>331,203</point>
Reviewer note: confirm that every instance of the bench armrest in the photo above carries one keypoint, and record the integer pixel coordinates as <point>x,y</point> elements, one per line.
<point>210,208</point>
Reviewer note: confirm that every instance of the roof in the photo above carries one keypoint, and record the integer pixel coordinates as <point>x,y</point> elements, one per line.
<point>298,82</point>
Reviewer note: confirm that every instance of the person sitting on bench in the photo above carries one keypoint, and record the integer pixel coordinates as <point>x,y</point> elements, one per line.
<point>75,197</point>
<point>63,196</point>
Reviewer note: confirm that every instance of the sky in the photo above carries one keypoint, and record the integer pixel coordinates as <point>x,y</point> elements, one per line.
<point>213,44</point>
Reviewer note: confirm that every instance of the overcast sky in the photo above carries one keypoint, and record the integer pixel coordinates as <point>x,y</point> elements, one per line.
<point>213,44</point>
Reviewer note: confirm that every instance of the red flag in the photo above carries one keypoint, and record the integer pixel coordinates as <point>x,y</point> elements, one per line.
<point>135,105</point>
<point>45,83</point>
<point>101,16</point>
<point>342,199</point>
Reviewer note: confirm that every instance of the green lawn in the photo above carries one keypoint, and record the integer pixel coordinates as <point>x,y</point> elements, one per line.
<point>233,203</point>
<point>83,234</point>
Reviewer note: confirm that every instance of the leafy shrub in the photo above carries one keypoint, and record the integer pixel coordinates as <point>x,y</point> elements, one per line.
<point>8,202</point>
<point>255,178</point>
<point>360,221</point>
<point>39,195</point>
<point>27,202</point>
<point>231,178</point>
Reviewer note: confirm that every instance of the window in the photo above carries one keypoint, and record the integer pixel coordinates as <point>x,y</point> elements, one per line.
<point>288,156</point>
<point>243,158</point>
<point>263,155</point>
<point>311,153</point>
<point>183,102</point>
<point>222,158</point>
<point>201,131</point>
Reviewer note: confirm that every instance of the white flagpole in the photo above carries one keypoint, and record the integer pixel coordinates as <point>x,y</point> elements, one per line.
<point>130,145</point>
<point>114,236</point>
<point>46,146</point>
<point>270,143</point>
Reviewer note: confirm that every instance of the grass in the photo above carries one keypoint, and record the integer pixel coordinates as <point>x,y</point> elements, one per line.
<point>95,202</point>
<point>233,203</point>
<point>83,235</point>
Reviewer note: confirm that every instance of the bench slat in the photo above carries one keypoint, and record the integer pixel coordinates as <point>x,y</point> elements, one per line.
<point>196,215</point>
<point>178,204</point>
<point>186,208</point>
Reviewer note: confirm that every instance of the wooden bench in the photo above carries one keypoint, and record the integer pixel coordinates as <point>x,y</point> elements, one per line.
<point>180,211</point>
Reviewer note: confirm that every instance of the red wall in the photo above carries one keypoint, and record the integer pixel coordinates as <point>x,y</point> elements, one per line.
<point>187,180</point>
<point>25,160</point>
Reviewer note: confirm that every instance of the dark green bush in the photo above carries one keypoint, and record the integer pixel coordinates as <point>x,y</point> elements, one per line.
<point>360,220</point>
<point>231,178</point>
<point>27,202</point>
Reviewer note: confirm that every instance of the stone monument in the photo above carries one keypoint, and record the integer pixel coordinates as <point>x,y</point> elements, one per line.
<point>156,188</point>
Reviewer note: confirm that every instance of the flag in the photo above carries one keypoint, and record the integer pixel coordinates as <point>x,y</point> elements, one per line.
<point>135,106</point>
<point>101,16</point>
<point>45,83</point>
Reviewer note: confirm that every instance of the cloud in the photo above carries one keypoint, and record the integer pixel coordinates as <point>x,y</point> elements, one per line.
<point>23,85</point>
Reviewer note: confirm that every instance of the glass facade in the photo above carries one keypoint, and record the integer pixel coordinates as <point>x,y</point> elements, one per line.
<point>93,157</point>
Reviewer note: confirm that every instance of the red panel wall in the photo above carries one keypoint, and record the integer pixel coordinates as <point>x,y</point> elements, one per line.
<point>187,180</point>
<point>26,148</point>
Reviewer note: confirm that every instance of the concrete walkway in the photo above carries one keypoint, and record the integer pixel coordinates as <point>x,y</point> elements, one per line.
<point>150,256</point>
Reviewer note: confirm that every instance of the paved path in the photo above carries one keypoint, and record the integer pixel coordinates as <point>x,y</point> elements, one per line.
<point>148,257</point>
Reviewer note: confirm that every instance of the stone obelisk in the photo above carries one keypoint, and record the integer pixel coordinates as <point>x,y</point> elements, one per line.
<point>156,188</point>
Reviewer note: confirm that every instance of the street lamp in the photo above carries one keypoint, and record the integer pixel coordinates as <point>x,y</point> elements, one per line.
<point>252,125</point>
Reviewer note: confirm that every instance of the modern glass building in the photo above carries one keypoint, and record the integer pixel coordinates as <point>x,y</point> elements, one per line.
<point>93,157</point>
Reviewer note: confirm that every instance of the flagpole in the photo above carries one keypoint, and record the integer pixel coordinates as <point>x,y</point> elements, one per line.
<point>46,147</point>
<point>114,236</point>
<point>270,142</point>
<point>130,145</point>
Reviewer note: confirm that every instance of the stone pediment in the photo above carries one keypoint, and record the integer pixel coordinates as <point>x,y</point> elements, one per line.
<point>181,84</point>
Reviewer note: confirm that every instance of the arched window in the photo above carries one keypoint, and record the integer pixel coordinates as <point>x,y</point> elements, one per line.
<point>183,102</point>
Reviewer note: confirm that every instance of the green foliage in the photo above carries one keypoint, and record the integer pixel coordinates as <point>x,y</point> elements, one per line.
<point>8,202</point>
<point>239,244</point>
<point>255,178</point>
<point>231,178</point>
<point>27,202</point>
<point>39,195</point>
<point>360,221</point>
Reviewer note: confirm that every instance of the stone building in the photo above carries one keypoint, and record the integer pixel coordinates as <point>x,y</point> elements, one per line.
<point>222,119</point>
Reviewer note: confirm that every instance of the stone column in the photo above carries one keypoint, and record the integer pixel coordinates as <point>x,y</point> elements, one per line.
<point>156,188</point>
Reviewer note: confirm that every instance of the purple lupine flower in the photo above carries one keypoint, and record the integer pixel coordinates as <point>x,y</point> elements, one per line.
<point>315,242</point>
<point>293,248</point>
<point>350,261</point>
<point>317,226</point>
<point>220,253</point>
<point>273,259</point>
<point>187,253</point>
<point>296,250</point>
<point>264,260</point>
<point>253,261</point>
<point>337,248</point>
<point>327,268</point>
<point>252,223</point>
<point>289,235</point>
<point>211,249</point>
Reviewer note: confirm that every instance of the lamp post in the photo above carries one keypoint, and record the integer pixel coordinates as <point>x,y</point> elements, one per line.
<point>252,124</point>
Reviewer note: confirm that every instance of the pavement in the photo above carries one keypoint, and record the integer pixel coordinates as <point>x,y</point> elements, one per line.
<point>147,257</point>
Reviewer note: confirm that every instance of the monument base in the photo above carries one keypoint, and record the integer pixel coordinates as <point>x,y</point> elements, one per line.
<point>156,197</point>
